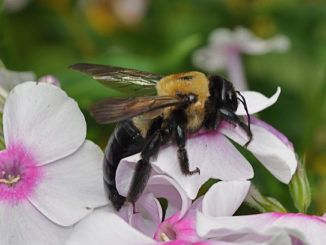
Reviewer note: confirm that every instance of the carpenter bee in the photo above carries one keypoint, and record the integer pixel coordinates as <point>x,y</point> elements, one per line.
<point>163,109</point>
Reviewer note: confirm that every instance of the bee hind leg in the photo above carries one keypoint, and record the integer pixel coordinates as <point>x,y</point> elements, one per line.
<point>143,168</point>
<point>231,117</point>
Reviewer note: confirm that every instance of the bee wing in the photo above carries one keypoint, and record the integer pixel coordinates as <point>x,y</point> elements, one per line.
<point>117,109</point>
<point>123,80</point>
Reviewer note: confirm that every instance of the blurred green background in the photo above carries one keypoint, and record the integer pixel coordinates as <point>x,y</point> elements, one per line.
<point>160,36</point>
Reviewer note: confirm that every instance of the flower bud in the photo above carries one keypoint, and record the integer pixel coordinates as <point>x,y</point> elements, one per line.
<point>49,79</point>
<point>264,204</point>
<point>300,188</point>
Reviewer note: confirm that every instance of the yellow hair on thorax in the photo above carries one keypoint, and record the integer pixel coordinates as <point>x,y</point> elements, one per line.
<point>185,83</point>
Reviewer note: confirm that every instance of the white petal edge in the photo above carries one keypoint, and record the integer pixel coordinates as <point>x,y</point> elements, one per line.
<point>224,198</point>
<point>104,227</point>
<point>278,159</point>
<point>211,152</point>
<point>44,120</point>
<point>22,224</point>
<point>71,187</point>
<point>256,101</point>
<point>309,229</point>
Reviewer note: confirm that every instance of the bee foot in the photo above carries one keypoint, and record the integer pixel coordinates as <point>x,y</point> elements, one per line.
<point>196,171</point>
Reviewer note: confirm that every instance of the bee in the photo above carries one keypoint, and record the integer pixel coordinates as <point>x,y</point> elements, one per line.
<point>164,109</point>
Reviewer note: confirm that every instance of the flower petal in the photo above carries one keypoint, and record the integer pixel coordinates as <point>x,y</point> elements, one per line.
<point>104,227</point>
<point>9,79</point>
<point>72,186</point>
<point>224,198</point>
<point>256,101</point>
<point>211,152</point>
<point>22,224</point>
<point>309,229</point>
<point>148,214</point>
<point>207,60</point>
<point>124,174</point>
<point>278,43</point>
<point>166,187</point>
<point>278,158</point>
<point>45,120</point>
<point>159,185</point>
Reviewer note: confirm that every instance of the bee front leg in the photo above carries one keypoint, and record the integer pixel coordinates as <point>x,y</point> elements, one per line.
<point>180,138</point>
<point>231,117</point>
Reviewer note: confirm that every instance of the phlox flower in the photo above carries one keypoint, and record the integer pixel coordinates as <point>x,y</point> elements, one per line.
<point>208,221</point>
<point>225,48</point>
<point>216,157</point>
<point>105,225</point>
<point>50,177</point>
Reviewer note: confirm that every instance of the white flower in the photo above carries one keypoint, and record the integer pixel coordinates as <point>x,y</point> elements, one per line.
<point>225,47</point>
<point>50,176</point>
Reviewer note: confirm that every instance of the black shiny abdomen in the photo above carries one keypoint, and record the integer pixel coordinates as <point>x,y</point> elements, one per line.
<point>126,140</point>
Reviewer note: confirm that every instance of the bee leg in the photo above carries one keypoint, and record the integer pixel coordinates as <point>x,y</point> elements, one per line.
<point>231,117</point>
<point>180,138</point>
<point>217,120</point>
<point>179,120</point>
<point>143,169</point>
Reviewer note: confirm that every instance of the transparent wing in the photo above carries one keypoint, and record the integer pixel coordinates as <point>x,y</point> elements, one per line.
<point>117,109</point>
<point>128,81</point>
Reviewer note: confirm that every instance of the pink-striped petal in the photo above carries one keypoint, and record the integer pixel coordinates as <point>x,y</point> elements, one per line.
<point>277,157</point>
<point>256,121</point>
<point>211,152</point>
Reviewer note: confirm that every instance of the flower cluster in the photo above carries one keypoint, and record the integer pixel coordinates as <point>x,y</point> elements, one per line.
<point>51,189</point>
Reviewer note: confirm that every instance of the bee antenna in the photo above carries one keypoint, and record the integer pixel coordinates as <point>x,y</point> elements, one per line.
<point>243,101</point>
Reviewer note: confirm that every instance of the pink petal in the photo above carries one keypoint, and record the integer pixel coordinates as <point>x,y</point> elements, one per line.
<point>211,152</point>
<point>178,229</point>
<point>256,121</point>
<point>277,157</point>
<point>45,120</point>
<point>256,102</point>
<point>224,198</point>
<point>104,227</point>
<point>310,229</point>
<point>71,187</point>
<point>22,224</point>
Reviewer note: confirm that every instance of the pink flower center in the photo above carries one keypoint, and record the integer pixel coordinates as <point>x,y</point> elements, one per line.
<point>166,233</point>
<point>175,229</point>
<point>19,174</point>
